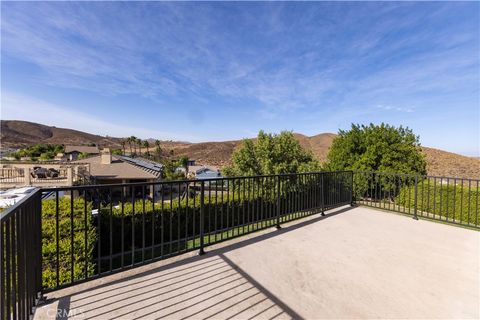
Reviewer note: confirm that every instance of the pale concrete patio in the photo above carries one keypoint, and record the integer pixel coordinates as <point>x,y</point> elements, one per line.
<point>353,264</point>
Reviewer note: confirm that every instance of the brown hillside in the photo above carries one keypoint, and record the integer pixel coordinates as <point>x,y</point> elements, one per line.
<point>21,133</point>
<point>15,133</point>
<point>448,164</point>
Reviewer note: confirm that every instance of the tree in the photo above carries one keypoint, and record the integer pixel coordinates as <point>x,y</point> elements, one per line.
<point>133,140</point>
<point>123,146</point>
<point>130,141</point>
<point>158,149</point>
<point>271,154</point>
<point>147,145</point>
<point>139,144</point>
<point>183,162</point>
<point>170,172</point>
<point>381,148</point>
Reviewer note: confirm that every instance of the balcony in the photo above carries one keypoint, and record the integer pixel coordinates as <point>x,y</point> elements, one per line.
<point>350,262</point>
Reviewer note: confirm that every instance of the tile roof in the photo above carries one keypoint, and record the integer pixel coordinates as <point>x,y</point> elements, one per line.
<point>85,149</point>
<point>119,168</point>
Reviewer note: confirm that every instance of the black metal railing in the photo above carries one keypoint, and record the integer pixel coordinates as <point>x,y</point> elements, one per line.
<point>451,200</point>
<point>96,230</point>
<point>21,257</point>
<point>58,237</point>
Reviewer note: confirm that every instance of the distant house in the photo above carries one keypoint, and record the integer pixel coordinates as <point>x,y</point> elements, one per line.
<point>109,169</point>
<point>72,152</point>
<point>203,172</point>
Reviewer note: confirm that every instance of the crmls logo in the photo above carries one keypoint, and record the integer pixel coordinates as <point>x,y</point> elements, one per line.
<point>65,313</point>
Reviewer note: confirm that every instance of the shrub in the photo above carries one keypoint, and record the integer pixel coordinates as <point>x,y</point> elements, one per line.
<point>82,255</point>
<point>452,202</point>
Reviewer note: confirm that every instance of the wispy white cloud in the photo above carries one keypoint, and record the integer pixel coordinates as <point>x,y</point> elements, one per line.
<point>311,61</point>
<point>162,50</point>
<point>14,106</point>
<point>394,108</point>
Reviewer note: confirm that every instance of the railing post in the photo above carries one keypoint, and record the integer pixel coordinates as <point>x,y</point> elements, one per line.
<point>323,193</point>
<point>278,203</point>
<point>202,217</point>
<point>415,199</point>
<point>39,241</point>
<point>351,191</point>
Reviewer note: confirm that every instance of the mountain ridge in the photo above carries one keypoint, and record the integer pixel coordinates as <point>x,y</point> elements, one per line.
<point>17,133</point>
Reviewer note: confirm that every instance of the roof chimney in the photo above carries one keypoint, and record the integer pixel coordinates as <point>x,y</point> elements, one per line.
<point>106,156</point>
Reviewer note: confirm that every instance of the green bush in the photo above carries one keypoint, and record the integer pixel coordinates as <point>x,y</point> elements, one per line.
<point>82,256</point>
<point>452,202</point>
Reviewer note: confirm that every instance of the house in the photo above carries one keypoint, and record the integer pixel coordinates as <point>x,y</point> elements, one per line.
<point>203,172</point>
<point>72,152</point>
<point>113,169</point>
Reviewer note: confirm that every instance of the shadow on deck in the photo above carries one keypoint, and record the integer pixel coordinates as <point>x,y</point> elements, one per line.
<point>357,263</point>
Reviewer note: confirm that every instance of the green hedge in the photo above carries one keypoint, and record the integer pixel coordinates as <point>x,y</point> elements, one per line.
<point>452,202</point>
<point>82,256</point>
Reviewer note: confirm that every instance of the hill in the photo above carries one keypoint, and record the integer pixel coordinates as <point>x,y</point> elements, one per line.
<point>448,164</point>
<point>15,133</point>
<point>21,133</point>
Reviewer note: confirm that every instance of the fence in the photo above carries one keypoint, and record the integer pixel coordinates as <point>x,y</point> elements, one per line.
<point>21,258</point>
<point>91,231</point>
<point>452,200</point>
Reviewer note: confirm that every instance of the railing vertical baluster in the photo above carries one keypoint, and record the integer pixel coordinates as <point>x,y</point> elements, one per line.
<point>3,289</point>
<point>461,201</point>
<point>57,241</point>
<point>228,208</point>
<point>194,212</point>
<point>85,234</point>
<point>187,191</point>
<point>110,252</point>
<point>72,235</point>
<point>415,199</point>
<point>322,194</point>
<point>132,195</point>
<point>278,202</point>
<point>178,217</point>
<point>8,260</point>
<point>215,229</point>
<point>476,205</point>
<point>435,197</point>
<point>202,217</point>
<point>143,223</point>
<point>122,245</point>
<point>428,195</point>
<point>351,190</point>
<point>170,251</point>
<point>17,253</point>
<point>162,223</point>
<point>99,239</point>
<point>154,213</point>
<point>469,199</point>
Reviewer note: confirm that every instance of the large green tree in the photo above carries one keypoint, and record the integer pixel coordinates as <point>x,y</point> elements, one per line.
<point>271,154</point>
<point>381,148</point>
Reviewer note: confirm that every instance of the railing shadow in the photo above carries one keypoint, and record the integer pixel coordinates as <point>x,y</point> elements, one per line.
<point>208,286</point>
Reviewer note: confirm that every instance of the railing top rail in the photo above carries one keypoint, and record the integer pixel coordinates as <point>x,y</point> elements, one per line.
<point>10,210</point>
<point>198,181</point>
<point>413,175</point>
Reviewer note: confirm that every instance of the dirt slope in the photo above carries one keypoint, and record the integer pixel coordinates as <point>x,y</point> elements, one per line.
<point>15,133</point>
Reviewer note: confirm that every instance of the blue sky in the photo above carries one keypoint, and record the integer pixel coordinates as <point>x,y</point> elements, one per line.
<point>219,71</point>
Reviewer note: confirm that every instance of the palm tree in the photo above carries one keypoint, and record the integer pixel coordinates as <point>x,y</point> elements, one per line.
<point>147,145</point>
<point>134,141</point>
<point>130,140</point>
<point>158,149</point>
<point>123,145</point>
<point>139,144</point>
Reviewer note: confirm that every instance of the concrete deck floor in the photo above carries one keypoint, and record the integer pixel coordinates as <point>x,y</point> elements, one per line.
<point>353,264</point>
